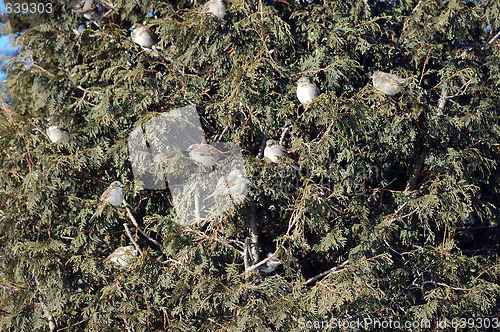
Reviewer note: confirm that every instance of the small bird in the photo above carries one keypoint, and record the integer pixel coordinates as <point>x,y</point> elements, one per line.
<point>143,36</point>
<point>233,183</point>
<point>387,83</point>
<point>56,133</point>
<point>114,195</point>
<point>274,151</point>
<point>270,265</point>
<point>123,255</point>
<point>215,7</point>
<point>91,9</point>
<point>306,91</point>
<point>205,154</point>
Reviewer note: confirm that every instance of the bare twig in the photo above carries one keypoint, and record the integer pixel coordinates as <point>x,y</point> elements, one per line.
<point>224,242</point>
<point>284,133</point>
<point>425,64</point>
<point>262,262</point>
<point>9,287</point>
<point>127,230</point>
<point>131,217</point>
<point>327,272</point>
<point>396,213</point>
<point>491,41</point>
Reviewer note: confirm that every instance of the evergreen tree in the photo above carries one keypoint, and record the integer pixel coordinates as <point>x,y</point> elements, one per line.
<point>393,213</point>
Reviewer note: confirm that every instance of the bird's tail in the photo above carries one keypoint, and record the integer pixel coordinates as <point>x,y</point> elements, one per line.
<point>97,212</point>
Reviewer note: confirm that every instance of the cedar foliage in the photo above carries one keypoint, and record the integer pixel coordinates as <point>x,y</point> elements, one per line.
<point>421,238</point>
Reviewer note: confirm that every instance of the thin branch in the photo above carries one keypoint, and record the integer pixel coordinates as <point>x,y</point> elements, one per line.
<point>396,212</point>
<point>451,287</point>
<point>127,230</point>
<point>490,41</point>
<point>221,241</point>
<point>425,64</point>
<point>46,312</point>
<point>131,216</point>
<point>284,133</point>
<point>321,275</point>
<point>262,262</point>
<point>9,287</point>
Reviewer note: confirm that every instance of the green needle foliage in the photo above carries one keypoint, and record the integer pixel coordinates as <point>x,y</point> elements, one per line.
<point>392,215</point>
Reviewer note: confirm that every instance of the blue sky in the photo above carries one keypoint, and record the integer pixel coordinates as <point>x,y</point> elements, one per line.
<point>5,45</point>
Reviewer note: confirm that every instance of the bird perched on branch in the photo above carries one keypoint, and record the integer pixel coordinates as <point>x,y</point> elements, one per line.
<point>387,83</point>
<point>90,9</point>
<point>123,255</point>
<point>306,91</point>
<point>143,36</point>
<point>205,154</point>
<point>233,183</point>
<point>271,265</point>
<point>56,133</point>
<point>274,151</point>
<point>114,195</point>
<point>215,7</point>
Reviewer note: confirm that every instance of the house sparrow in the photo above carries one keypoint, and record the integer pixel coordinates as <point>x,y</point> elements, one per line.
<point>123,255</point>
<point>215,7</point>
<point>270,265</point>
<point>205,154</point>
<point>230,184</point>
<point>143,36</point>
<point>387,83</point>
<point>274,151</point>
<point>306,91</point>
<point>114,195</point>
<point>91,9</point>
<point>56,133</point>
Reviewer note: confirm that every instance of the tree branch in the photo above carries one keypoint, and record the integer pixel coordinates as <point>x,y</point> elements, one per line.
<point>127,230</point>
<point>262,262</point>
<point>333,269</point>
<point>491,41</point>
<point>415,173</point>
<point>254,233</point>
<point>131,216</point>
<point>46,312</point>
